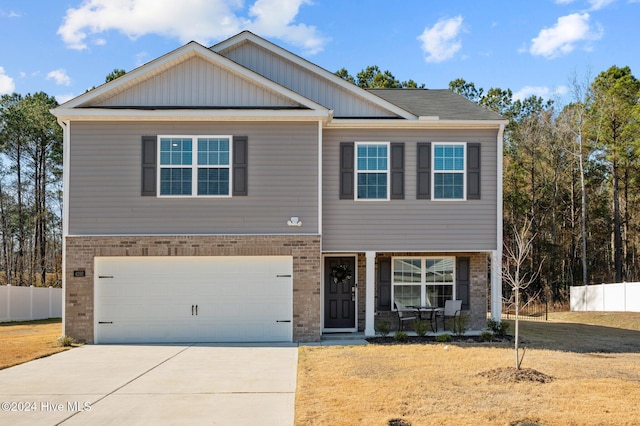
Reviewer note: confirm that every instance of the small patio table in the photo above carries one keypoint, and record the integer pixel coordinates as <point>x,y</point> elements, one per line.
<point>431,311</point>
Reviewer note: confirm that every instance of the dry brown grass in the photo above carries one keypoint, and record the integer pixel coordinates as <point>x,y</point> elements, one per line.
<point>596,372</point>
<point>24,341</point>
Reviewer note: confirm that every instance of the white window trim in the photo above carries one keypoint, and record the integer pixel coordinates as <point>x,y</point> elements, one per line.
<point>434,171</point>
<point>357,171</point>
<point>194,166</point>
<point>423,277</point>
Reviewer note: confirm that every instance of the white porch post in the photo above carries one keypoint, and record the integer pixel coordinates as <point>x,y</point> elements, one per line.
<point>369,329</point>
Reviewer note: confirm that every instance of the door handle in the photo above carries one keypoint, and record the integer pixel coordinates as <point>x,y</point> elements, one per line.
<point>283,320</point>
<point>196,310</point>
<point>192,306</point>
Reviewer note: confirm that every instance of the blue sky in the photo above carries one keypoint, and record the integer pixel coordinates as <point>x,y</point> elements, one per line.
<point>63,47</point>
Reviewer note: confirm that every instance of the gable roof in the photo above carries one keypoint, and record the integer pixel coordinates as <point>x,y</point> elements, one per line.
<point>103,96</point>
<point>442,103</point>
<point>322,76</point>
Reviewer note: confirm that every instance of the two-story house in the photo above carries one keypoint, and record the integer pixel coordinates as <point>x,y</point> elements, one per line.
<point>242,193</point>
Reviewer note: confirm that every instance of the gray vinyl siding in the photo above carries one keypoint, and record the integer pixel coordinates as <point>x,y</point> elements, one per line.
<point>105,182</point>
<point>300,80</point>
<point>409,224</point>
<point>197,82</point>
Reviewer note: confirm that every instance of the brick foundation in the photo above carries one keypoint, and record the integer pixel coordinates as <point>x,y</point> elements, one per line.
<point>305,249</point>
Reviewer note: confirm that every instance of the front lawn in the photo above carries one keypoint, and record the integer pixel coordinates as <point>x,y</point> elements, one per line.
<point>595,371</point>
<point>24,341</point>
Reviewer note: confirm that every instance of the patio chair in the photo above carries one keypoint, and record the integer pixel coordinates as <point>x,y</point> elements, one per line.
<point>452,309</point>
<point>404,314</point>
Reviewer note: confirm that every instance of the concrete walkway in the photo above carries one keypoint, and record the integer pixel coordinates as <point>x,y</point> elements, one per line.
<point>212,384</point>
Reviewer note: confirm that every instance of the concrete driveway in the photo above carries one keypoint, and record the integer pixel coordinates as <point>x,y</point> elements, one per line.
<point>154,384</point>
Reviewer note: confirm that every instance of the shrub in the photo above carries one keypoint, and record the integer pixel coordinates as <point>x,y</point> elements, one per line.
<point>383,327</point>
<point>444,338</point>
<point>401,336</point>
<point>499,328</point>
<point>421,327</point>
<point>460,324</point>
<point>65,341</point>
<point>486,336</point>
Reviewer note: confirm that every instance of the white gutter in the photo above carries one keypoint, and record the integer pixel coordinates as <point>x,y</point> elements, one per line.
<point>347,123</point>
<point>66,144</point>
<point>107,114</point>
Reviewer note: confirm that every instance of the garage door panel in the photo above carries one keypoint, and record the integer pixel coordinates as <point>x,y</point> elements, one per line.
<point>153,299</point>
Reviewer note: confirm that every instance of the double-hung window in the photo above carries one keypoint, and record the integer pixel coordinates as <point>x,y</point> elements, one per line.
<point>195,166</point>
<point>449,171</point>
<point>423,281</point>
<point>372,170</point>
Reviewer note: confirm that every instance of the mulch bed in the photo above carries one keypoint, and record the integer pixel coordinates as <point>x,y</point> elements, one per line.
<point>390,340</point>
<point>513,375</point>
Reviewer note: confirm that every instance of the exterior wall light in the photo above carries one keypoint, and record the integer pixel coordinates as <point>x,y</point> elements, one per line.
<point>294,221</point>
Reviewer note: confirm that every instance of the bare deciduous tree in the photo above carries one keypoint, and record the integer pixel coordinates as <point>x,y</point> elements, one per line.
<point>517,276</point>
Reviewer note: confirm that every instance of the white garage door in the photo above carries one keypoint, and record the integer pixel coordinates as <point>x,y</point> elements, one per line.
<point>193,299</point>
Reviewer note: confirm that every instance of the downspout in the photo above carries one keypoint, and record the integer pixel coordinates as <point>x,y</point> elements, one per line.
<point>320,177</point>
<point>496,261</point>
<point>66,143</point>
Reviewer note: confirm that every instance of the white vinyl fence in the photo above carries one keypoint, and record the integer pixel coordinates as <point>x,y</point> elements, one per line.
<point>29,303</point>
<point>606,297</point>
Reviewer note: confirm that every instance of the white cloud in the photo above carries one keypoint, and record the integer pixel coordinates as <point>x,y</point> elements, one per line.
<point>6,83</point>
<point>441,42</point>
<point>60,76</point>
<point>541,91</point>
<point>203,21</point>
<point>595,4</point>
<point>563,37</point>
<point>10,14</point>
<point>599,4</point>
<point>64,97</point>
<point>274,18</point>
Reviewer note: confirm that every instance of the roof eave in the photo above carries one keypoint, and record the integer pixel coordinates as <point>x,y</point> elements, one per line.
<point>430,123</point>
<point>123,114</point>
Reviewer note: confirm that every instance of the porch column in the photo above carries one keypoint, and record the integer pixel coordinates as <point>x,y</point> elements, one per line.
<point>496,285</point>
<point>370,309</point>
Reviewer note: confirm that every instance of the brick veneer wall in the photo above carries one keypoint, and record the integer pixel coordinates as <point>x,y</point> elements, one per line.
<point>477,290</point>
<point>305,249</point>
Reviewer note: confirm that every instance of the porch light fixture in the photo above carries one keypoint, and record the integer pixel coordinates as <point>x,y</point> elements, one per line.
<point>294,221</point>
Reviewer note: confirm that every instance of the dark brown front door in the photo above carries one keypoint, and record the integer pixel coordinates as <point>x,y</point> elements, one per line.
<point>339,292</point>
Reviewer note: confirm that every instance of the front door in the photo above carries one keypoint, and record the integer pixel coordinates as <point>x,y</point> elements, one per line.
<point>339,293</point>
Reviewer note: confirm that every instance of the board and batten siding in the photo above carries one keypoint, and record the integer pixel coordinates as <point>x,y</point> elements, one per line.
<point>409,224</point>
<point>197,82</point>
<point>304,82</point>
<point>105,182</point>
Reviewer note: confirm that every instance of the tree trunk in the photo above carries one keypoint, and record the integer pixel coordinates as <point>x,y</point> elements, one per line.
<point>617,233</point>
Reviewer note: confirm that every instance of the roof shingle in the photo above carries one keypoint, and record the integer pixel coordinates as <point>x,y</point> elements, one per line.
<point>442,103</point>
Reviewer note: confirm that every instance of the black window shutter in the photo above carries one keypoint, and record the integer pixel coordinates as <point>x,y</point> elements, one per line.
<point>240,166</point>
<point>397,171</point>
<point>424,171</point>
<point>463,272</point>
<point>149,146</point>
<point>473,171</point>
<point>384,284</point>
<point>346,170</point>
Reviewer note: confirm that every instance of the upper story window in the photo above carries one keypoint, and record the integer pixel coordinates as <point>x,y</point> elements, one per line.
<point>449,170</point>
<point>372,170</point>
<point>195,165</point>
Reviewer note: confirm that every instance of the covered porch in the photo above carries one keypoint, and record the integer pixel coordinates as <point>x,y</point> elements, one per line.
<point>358,289</point>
